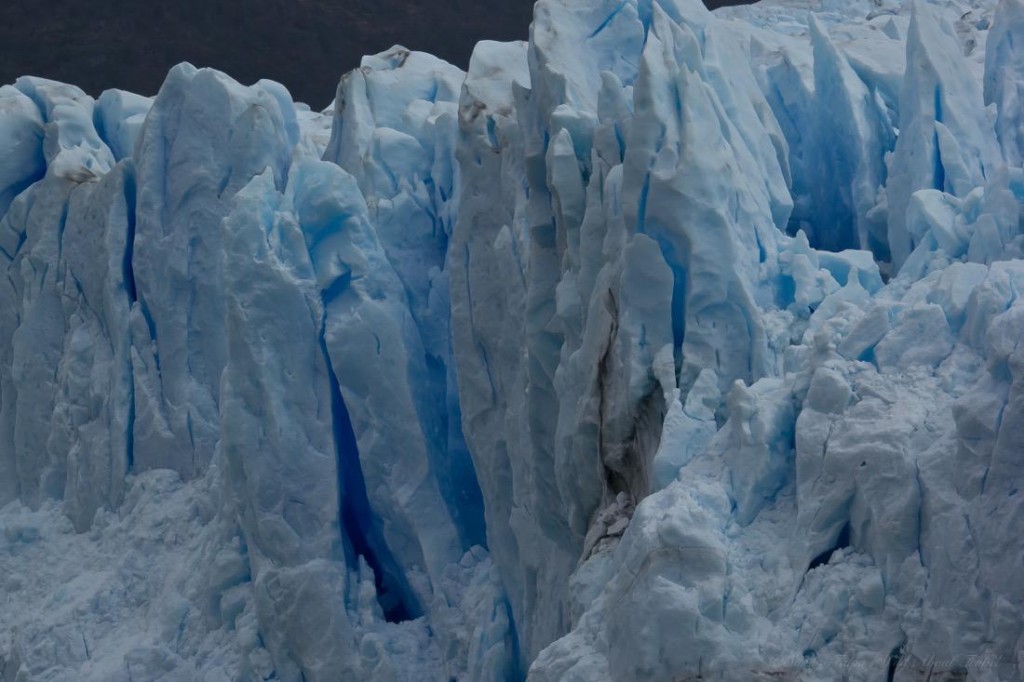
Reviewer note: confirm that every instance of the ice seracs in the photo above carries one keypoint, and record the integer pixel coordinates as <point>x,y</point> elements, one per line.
<point>668,344</point>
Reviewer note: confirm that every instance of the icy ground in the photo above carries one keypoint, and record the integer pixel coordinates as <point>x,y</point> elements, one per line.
<point>668,345</point>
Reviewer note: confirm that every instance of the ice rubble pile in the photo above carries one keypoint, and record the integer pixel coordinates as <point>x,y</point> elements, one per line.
<point>668,344</point>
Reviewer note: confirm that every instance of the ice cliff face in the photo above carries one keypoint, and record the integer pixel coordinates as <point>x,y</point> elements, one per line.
<point>667,345</point>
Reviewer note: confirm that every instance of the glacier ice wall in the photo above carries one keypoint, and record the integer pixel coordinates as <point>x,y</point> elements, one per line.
<point>668,344</point>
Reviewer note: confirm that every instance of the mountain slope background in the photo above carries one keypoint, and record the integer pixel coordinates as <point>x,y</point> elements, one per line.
<point>304,44</point>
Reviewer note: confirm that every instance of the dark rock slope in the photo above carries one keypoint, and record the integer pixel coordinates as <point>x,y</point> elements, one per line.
<point>305,44</point>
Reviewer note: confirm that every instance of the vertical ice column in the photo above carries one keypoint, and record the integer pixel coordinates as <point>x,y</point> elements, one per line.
<point>394,129</point>
<point>488,262</point>
<point>277,435</point>
<point>372,340</point>
<point>66,382</point>
<point>852,140</point>
<point>1004,78</point>
<point>615,258</point>
<point>204,139</point>
<point>945,139</point>
<point>21,132</point>
<point>94,406</point>
<point>696,189</point>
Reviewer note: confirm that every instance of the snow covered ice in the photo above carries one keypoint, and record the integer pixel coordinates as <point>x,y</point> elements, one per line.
<point>666,345</point>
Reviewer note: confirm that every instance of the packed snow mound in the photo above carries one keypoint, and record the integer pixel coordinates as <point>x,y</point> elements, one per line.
<point>667,345</point>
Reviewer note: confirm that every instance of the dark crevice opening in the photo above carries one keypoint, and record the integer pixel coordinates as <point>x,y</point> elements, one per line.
<point>614,481</point>
<point>842,542</point>
<point>678,263</point>
<point>358,522</point>
<point>451,459</point>
<point>894,663</point>
<point>516,672</point>
<point>336,288</point>
<point>127,269</point>
<point>128,275</point>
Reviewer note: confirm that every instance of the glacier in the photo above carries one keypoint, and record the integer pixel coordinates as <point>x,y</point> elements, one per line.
<point>666,345</point>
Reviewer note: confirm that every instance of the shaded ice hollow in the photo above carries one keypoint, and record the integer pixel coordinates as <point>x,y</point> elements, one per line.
<point>666,345</point>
